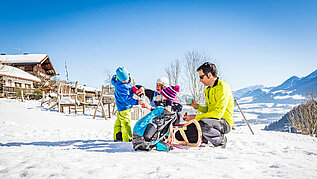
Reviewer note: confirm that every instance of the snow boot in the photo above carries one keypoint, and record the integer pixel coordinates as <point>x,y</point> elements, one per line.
<point>118,137</point>
<point>223,143</point>
<point>163,146</point>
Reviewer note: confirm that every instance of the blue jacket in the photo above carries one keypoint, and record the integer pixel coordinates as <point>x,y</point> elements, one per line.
<point>123,94</point>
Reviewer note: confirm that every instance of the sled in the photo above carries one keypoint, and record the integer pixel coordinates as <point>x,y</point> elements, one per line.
<point>182,128</point>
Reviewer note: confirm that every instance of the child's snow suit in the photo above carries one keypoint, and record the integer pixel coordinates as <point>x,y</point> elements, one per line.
<point>125,101</point>
<point>152,130</point>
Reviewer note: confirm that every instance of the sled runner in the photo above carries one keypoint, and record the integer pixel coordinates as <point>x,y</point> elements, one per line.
<point>182,128</point>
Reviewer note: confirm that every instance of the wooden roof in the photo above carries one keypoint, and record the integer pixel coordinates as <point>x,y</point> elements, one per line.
<point>25,59</point>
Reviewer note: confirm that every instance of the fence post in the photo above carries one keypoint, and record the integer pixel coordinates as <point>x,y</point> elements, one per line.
<point>22,98</point>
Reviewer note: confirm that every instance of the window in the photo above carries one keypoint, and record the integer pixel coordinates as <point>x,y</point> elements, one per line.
<point>9,83</point>
<point>18,84</point>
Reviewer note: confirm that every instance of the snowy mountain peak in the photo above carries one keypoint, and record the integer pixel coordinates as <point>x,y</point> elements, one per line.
<point>288,83</point>
<point>311,75</point>
<point>240,92</point>
<point>290,91</point>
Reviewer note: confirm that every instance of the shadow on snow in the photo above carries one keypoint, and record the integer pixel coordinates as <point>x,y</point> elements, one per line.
<point>108,146</point>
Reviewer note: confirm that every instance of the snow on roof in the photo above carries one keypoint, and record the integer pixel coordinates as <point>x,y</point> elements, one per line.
<point>86,88</point>
<point>28,58</point>
<point>18,73</point>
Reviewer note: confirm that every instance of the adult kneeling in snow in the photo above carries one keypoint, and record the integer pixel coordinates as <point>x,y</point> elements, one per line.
<point>217,116</point>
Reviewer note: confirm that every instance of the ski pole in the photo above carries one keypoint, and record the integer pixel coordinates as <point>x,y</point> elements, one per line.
<point>243,116</point>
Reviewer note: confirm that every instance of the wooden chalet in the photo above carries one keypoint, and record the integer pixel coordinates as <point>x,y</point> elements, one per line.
<point>35,64</point>
<point>12,78</point>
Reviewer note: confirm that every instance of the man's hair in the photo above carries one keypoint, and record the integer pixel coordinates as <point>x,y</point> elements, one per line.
<point>208,67</point>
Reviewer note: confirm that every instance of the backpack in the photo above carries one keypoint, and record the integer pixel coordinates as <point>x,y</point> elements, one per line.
<point>151,131</point>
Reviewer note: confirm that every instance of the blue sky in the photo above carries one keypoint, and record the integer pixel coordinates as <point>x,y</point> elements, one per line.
<point>251,42</point>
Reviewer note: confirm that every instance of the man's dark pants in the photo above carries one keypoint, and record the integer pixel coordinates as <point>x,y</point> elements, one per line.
<point>213,130</point>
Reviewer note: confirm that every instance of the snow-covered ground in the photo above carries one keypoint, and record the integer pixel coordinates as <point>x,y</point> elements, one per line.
<point>38,143</point>
<point>262,113</point>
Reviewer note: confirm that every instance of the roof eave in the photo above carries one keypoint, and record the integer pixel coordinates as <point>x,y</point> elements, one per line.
<point>48,58</point>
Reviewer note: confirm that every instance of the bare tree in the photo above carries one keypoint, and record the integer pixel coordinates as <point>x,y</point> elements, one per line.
<point>108,75</point>
<point>173,72</point>
<point>193,59</point>
<point>304,117</point>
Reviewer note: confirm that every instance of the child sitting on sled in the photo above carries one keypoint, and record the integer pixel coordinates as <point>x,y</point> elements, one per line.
<point>155,130</point>
<point>152,130</point>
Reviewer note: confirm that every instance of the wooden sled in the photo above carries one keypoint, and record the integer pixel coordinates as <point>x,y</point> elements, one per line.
<point>181,128</point>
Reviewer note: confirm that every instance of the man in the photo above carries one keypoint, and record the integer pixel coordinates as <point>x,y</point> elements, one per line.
<point>217,116</point>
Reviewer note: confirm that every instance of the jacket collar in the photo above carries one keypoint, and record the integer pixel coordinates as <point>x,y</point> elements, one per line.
<point>215,84</point>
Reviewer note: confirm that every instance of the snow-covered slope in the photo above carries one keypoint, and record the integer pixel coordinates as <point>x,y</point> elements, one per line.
<point>38,143</point>
<point>270,104</point>
<point>239,93</point>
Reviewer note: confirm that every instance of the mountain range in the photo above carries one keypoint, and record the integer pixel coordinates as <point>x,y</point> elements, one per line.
<point>268,104</point>
<point>291,91</point>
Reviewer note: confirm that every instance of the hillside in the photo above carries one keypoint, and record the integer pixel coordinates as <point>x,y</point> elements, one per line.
<point>284,124</point>
<point>39,143</point>
<point>267,104</point>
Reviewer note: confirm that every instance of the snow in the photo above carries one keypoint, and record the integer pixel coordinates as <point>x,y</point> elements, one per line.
<point>265,90</point>
<point>282,91</point>
<point>29,58</point>
<point>268,110</point>
<point>18,73</point>
<point>238,116</point>
<point>68,100</point>
<point>86,88</point>
<point>252,105</point>
<point>286,105</point>
<point>246,100</point>
<point>288,96</point>
<point>38,143</point>
<point>264,108</point>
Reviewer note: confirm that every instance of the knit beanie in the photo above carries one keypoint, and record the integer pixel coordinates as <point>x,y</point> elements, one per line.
<point>170,92</point>
<point>122,74</point>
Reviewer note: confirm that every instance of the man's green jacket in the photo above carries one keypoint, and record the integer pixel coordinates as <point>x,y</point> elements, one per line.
<point>219,103</point>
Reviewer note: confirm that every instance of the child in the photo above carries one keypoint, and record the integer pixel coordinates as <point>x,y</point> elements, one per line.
<point>125,101</point>
<point>167,98</point>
